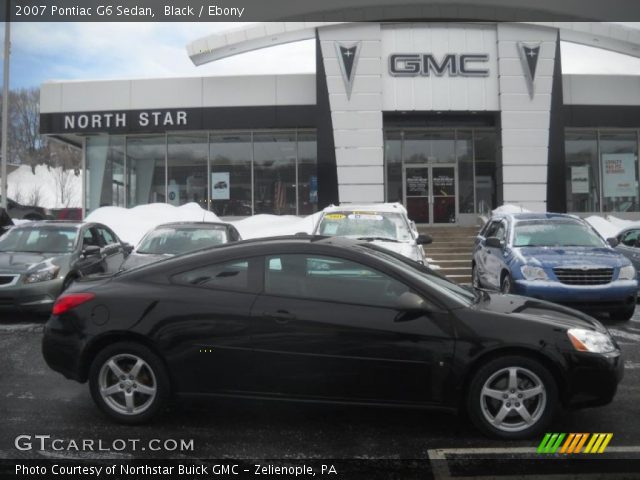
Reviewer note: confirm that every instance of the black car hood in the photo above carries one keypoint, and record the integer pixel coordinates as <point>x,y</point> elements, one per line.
<point>531,309</point>
<point>139,259</point>
<point>21,262</point>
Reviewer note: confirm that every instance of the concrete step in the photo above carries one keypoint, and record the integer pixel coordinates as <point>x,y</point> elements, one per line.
<point>455,271</point>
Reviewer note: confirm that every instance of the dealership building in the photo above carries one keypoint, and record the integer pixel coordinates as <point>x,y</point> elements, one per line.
<point>449,118</point>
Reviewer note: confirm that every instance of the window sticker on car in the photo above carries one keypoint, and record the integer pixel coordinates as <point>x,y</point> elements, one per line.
<point>335,216</point>
<point>365,216</point>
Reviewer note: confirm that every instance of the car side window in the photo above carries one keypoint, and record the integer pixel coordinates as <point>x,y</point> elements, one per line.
<point>232,275</point>
<point>330,278</point>
<point>106,236</point>
<point>88,239</point>
<point>501,232</point>
<point>630,239</point>
<point>492,229</point>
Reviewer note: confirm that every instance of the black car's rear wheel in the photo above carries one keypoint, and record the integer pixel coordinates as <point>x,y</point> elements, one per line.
<point>512,397</point>
<point>129,382</point>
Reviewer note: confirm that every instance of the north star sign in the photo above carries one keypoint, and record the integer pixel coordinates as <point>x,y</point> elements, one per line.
<point>425,64</point>
<point>74,122</point>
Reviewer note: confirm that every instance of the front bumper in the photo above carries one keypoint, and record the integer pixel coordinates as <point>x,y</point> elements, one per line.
<point>616,294</point>
<point>593,378</point>
<point>30,298</point>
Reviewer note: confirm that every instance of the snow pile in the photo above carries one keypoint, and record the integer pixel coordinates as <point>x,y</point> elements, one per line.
<point>508,208</point>
<point>275,225</point>
<point>604,227</point>
<point>42,188</point>
<point>130,224</point>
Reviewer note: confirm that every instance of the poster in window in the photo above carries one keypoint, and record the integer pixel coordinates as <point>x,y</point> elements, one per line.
<point>173,190</point>
<point>580,179</point>
<point>220,186</point>
<point>619,175</point>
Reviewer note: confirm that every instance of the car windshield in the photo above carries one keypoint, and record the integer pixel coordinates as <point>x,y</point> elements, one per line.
<point>555,233</point>
<point>177,240</point>
<point>39,240</point>
<point>375,225</point>
<point>455,292</point>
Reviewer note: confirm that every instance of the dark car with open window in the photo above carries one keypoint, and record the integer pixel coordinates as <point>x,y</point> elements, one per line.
<point>38,260</point>
<point>326,319</point>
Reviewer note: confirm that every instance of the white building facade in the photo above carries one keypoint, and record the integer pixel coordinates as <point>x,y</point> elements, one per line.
<point>451,119</point>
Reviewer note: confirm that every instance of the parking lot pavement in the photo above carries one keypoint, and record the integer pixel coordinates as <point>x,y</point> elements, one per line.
<point>35,400</point>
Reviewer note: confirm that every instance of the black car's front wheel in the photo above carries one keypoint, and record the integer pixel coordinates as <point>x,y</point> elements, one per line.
<point>512,397</point>
<point>129,382</point>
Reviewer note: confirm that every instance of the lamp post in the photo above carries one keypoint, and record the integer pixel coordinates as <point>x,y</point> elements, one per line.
<point>5,105</point>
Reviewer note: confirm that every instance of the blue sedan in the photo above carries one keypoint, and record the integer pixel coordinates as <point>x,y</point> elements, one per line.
<point>554,257</point>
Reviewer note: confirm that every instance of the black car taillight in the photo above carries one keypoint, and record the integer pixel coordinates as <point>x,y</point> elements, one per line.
<point>71,300</point>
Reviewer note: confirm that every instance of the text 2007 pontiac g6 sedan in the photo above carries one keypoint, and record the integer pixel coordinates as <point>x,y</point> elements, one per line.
<point>332,320</point>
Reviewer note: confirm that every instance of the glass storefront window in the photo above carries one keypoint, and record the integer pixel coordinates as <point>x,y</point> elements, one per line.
<point>464,152</point>
<point>231,174</point>
<point>582,172</point>
<point>307,173</point>
<point>619,165</point>
<point>430,146</point>
<point>146,158</point>
<point>486,152</point>
<point>187,179</point>
<point>274,173</point>
<point>105,172</point>
<point>393,161</point>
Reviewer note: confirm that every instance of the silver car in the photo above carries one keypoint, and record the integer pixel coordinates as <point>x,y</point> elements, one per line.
<point>385,224</point>
<point>39,260</point>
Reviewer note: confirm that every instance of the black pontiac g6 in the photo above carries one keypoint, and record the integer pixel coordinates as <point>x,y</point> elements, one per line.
<point>331,320</point>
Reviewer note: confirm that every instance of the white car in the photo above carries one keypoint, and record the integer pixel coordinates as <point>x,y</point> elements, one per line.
<point>385,224</point>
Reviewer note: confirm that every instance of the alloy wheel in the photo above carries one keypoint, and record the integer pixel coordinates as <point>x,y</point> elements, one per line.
<point>513,399</point>
<point>127,384</point>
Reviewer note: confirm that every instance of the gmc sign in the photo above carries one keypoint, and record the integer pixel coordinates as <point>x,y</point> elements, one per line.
<point>452,64</point>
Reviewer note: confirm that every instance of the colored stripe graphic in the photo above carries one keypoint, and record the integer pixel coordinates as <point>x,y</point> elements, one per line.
<point>597,443</point>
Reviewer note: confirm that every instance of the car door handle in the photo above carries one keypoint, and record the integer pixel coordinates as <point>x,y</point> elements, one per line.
<point>280,316</point>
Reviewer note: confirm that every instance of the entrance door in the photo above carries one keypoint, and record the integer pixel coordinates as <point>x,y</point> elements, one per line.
<point>430,193</point>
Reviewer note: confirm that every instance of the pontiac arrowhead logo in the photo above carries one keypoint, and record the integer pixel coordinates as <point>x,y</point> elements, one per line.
<point>529,54</point>
<point>348,60</point>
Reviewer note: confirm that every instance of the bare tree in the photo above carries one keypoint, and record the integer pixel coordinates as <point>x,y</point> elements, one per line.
<point>17,193</point>
<point>65,186</point>
<point>35,197</point>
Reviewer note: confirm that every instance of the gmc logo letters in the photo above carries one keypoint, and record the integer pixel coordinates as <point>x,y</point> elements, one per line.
<point>414,64</point>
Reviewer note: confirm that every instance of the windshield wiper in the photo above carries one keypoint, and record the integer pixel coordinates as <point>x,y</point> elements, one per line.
<point>381,239</point>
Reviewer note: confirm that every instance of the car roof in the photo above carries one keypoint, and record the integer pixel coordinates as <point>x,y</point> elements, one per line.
<point>194,224</point>
<point>53,223</point>
<point>519,217</point>
<point>367,207</point>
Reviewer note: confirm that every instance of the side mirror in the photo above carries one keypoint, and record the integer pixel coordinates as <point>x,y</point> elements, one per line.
<point>613,241</point>
<point>424,239</point>
<point>494,242</point>
<point>410,302</point>
<point>127,248</point>
<point>91,251</point>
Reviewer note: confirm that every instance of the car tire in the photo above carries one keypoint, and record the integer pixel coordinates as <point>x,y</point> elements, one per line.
<point>502,417</point>
<point>125,395</point>
<point>506,283</point>
<point>623,314</point>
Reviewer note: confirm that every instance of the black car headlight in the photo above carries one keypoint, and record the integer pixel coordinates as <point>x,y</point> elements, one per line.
<point>42,275</point>
<point>590,341</point>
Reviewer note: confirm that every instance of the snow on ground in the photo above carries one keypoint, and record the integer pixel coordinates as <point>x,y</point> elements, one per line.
<point>130,224</point>
<point>24,186</point>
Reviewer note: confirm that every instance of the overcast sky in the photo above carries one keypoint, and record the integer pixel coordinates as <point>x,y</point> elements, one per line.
<point>88,51</point>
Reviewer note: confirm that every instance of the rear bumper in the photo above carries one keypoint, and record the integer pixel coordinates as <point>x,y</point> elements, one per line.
<point>62,349</point>
<point>616,294</point>
<point>593,379</point>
